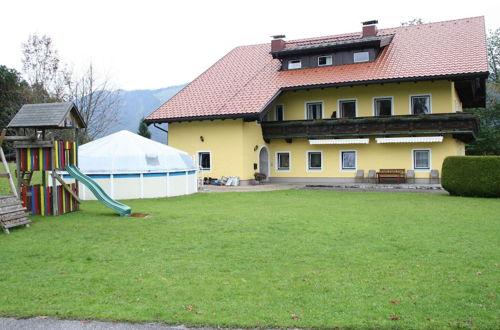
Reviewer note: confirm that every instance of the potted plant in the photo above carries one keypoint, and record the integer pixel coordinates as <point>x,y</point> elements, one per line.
<point>259,177</point>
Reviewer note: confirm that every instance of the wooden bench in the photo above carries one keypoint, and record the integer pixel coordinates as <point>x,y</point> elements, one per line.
<point>391,173</point>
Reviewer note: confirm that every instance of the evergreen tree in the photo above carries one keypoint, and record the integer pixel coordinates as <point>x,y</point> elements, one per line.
<point>143,129</point>
<point>13,94</point>
<point>488,139</point>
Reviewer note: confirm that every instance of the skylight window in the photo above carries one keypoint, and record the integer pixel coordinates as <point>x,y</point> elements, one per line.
<point>294,64</point>
<point>361,57</point>
<point>324,60</point>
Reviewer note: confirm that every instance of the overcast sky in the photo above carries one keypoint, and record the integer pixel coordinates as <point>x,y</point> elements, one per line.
<point>153,44</point>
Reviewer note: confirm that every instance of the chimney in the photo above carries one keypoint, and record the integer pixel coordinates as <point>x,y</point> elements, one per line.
<point>369,28</point>
<point>278,43</point>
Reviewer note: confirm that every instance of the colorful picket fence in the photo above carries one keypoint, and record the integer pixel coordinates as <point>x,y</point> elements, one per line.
<point>39,159</point>
<point>38,199</point>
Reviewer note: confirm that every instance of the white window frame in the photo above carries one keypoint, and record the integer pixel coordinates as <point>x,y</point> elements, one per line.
<point>322,109</point>
<point>426,94</point>
<point>307,161</point>
<point>276,111</point>
<point>354,57</point>
<point>339,110</point>
<point>198,160</point>
<point>413,160</point>
<point>326,56</point>
<point>341,166</point>
<point>382,97</point>
<point>294,64</point>
<point>277,169</point>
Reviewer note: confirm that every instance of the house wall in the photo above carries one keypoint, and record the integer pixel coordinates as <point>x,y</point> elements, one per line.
<point>222,138</point>
<point>372,156</point>
<point>442,93</point>
<point>235,144</point>
<point>236,153</point>
<point>252,143</point>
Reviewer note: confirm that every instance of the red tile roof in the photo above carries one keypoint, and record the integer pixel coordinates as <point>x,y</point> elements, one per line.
<point>245,80</point>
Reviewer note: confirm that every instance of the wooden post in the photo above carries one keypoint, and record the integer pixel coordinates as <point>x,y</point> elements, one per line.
<point>2,136</point>
<point>18,170</point>
<point>55,197</point>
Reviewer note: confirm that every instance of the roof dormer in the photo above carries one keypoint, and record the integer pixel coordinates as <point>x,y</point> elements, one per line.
<point>348,49</point>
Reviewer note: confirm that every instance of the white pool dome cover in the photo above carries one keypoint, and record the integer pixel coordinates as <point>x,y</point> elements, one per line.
<point>126,152</point>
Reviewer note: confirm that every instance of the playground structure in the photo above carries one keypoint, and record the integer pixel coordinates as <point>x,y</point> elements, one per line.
<point>45,141</point>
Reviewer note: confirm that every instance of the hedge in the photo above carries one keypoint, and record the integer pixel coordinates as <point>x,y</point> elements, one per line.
<point>471,176</point>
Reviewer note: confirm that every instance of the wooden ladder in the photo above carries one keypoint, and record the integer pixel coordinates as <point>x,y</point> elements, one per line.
<point>12,211</point>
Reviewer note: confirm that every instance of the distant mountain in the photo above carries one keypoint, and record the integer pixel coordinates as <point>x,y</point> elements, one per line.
<point>139,103</point>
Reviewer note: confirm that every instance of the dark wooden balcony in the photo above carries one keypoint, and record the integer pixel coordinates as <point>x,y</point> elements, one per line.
<point>463,126</point>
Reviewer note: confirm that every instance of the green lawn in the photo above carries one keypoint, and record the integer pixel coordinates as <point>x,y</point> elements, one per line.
<point>266,259</point>
<point>4,183</point>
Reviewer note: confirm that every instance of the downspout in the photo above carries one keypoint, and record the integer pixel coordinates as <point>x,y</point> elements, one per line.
<point>161,129</point>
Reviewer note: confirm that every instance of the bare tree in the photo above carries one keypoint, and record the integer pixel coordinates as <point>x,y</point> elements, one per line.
<point>50,80</point>
<point>43,70</point>
<point>97,102</point>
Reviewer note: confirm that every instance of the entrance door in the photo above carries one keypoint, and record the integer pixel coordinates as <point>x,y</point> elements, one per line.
<point>264,161</point>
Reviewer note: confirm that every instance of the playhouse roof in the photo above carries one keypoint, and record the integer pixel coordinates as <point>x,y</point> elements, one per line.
<point>245,81</point>
<point>48,115</point>
<point>126,152</point>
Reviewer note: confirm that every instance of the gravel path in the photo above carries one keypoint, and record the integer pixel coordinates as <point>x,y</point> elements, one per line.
<point>46,323</point>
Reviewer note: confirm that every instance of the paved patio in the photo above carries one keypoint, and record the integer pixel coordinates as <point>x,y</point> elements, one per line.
<point>413,188</point>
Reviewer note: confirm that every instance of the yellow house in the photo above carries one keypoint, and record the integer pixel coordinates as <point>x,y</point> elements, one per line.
<point>331,108</point>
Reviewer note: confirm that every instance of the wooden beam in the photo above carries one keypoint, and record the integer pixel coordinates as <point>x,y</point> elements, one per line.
<point>7,170</point>
<point>19,138</point>
<point>65,186</point>
<point>2,136</point>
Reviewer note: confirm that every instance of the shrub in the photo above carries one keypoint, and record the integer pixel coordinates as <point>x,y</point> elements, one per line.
<point>472,176</point>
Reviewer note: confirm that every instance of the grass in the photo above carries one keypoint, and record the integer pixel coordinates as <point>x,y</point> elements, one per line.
<point>4,184</point>
<point>266,259</point>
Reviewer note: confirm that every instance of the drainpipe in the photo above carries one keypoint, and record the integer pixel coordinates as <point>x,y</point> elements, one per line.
<point>161,129</point>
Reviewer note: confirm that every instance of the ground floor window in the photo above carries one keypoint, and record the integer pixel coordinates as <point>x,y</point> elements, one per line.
<point>204,160</point>
<point>314,160</point>
<point>422,159</point>
<point>283,161</point>
<point>348,160</point>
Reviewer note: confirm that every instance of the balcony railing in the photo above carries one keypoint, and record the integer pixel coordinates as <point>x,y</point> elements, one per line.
<point>464,126</point>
